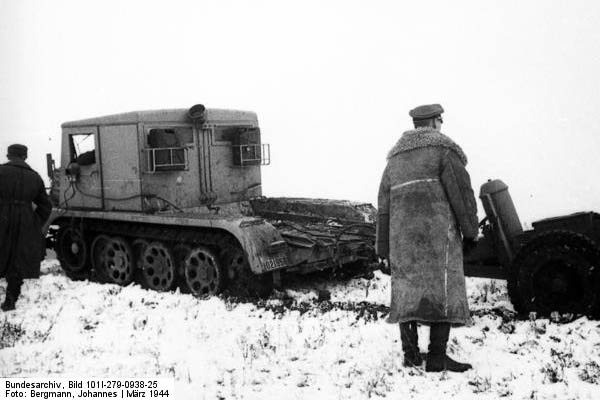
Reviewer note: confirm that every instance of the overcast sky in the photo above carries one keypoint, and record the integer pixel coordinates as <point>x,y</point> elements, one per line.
<point>331,81</point>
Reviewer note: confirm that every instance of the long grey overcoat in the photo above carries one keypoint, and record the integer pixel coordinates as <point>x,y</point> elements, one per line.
<point>426,204</point>
<point>21,241</point>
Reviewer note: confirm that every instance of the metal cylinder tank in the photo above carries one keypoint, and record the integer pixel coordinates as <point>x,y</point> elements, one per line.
<point>497,203</point>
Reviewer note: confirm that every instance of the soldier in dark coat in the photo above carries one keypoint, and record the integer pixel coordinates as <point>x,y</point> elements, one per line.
<point>21,241</point>
<point>427,215</point>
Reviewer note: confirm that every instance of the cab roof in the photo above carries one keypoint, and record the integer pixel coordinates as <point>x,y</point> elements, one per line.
<point>180,115</point>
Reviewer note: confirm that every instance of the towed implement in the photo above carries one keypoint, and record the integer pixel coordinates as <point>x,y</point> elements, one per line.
<point>173,198</point>
<point>554,267</point>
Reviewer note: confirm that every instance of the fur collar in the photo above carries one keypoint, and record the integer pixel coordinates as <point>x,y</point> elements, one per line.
<point>425,137</point>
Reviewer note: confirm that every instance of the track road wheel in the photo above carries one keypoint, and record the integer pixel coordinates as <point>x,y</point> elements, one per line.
<point>556,271</point>
<point>116,260</point>
<point>241,281</point>
<point>158,267</point>
<point>72,252</point>
<point>203,273</point>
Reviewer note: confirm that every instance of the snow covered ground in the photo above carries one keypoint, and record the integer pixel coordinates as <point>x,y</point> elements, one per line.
<point>216,348</point>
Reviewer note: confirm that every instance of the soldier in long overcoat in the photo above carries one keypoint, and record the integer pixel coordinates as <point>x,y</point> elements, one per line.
<point>21,241</point>
<point>427,213</point>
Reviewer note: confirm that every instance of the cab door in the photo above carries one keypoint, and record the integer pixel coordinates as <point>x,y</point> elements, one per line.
<point>81,147</point>
<point>120,168</point>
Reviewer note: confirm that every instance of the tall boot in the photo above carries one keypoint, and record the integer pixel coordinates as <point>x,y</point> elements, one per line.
<point>437,359</point>
<point>410,344</point>
<point>13,291</point>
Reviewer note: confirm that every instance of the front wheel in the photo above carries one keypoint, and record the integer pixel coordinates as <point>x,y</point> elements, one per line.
<point>72,252</point>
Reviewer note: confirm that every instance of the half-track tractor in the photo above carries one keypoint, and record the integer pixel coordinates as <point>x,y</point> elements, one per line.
<point>174,197</point>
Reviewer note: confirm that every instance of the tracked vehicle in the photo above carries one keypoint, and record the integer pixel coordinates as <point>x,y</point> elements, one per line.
<point>173,197</point>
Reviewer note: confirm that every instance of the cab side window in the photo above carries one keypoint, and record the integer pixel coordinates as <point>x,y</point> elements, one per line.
<point>83,148</point>
<point>167,148</point>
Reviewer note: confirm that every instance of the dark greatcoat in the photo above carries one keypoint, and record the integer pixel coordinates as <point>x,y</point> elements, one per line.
<point>426,205</point>
<point>21,241</point>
